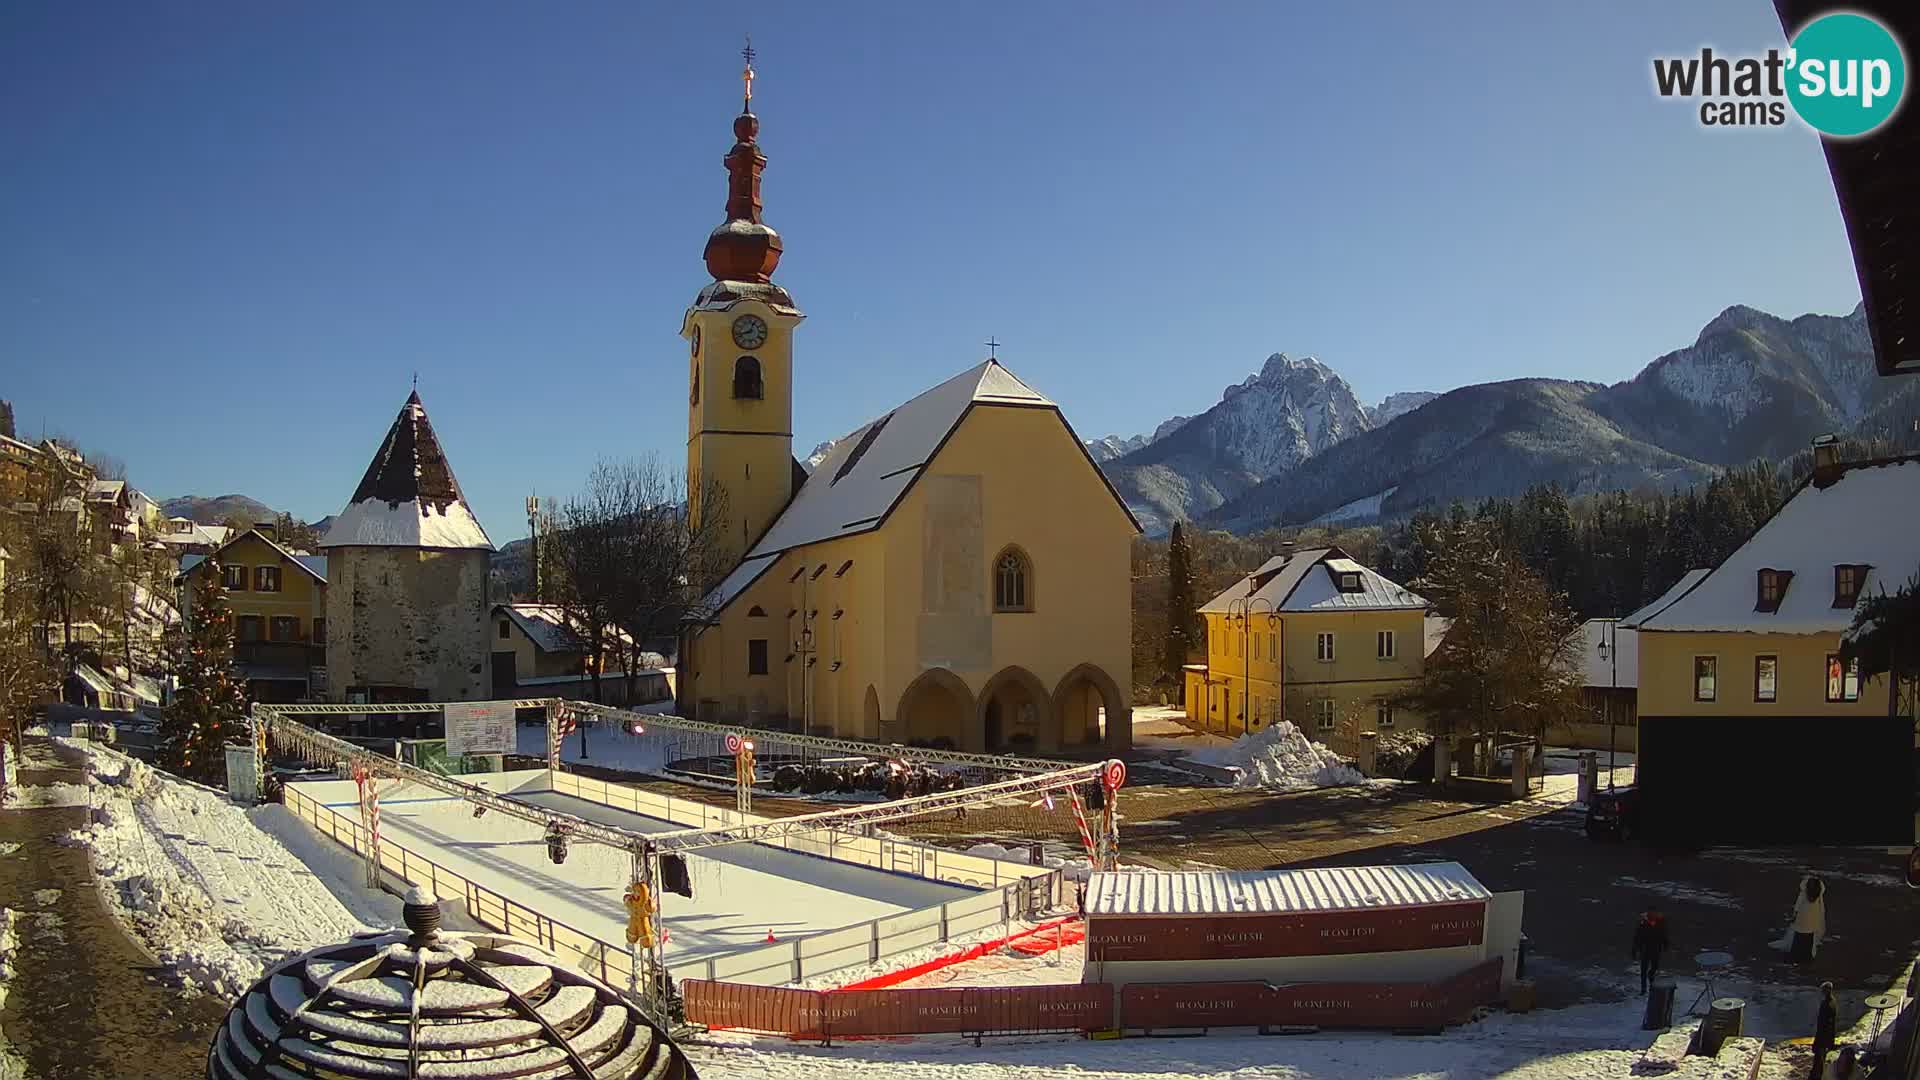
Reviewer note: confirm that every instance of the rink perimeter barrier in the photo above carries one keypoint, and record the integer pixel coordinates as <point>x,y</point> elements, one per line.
<point>765,965</point>
<point>877,851</point>
<point>816,1014</point>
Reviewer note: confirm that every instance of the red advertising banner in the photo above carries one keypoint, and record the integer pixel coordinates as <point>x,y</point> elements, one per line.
<point>1065,1007</point>
<point>1178,1005</point>
<point>1332,1005</point>
<point>1088,1006</point>
<point>1316,933</point>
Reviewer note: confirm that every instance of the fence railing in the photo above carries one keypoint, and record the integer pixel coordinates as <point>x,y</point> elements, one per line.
<point>766,965</point>
<point>875,850</point>
<point>609,961</point>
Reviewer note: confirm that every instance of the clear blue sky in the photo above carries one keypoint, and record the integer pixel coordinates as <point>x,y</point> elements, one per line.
<point>230,232</point>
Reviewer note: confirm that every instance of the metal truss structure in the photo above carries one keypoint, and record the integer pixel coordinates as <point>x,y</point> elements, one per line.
<point>318,746</point>
<point>823,743</point>
<point>282,727</point>
<point>857,816</point>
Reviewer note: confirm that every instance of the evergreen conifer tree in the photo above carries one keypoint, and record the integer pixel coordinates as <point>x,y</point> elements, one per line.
<point>209,709</point>
<point>1183,634</point>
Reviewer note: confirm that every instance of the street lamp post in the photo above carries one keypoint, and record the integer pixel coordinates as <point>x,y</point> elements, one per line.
<point>1241,609</point>
<point>1610,652</point>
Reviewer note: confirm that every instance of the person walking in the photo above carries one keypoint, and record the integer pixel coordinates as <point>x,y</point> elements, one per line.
<point>1823,1030</point>
<point>1649,941</point>
<point>1809,920</point>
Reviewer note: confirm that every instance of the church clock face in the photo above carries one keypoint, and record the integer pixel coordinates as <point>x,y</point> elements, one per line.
<point>749,331</point>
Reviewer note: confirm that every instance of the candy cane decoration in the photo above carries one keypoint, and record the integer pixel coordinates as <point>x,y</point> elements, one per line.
<point>1080,818</point>
<point>369,819</point>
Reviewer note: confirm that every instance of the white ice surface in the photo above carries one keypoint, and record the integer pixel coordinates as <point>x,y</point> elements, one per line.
<point>741,892</point>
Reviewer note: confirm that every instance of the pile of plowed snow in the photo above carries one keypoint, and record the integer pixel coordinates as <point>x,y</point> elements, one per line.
<point>1279,758</point>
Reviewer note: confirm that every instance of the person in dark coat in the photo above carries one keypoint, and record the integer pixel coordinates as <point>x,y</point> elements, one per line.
<point>1649,942</point>
<point>1823,1030</point>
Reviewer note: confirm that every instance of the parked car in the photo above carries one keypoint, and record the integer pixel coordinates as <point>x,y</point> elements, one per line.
<point>1614,814</point>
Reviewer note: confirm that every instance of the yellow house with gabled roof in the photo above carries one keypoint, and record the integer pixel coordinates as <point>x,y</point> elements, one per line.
<point>278,599</point>
<point>1314,638</point>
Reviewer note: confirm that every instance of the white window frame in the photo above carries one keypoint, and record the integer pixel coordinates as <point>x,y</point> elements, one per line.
<point>1383,644</point>
<point>1383,715</point>
<point>1323,650</point>
<point>1323,714</point>
<point>1694,668</point>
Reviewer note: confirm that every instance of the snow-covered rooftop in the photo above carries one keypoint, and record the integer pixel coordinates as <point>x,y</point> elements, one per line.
<point>1679,589</point>
<point>312,564</point>
<point>1621,666</point>
<point>194,533</point>
<point>1273,892</point>
<point>409,496</point>
<point>1868,516</point>
<point>1307,581</point>
<point>547,626</point>
<point>865,474</point>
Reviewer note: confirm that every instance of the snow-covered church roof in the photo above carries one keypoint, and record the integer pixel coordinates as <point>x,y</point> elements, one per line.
<point>1869,515</point>
<point>409,497</point>
<point>868,472</point>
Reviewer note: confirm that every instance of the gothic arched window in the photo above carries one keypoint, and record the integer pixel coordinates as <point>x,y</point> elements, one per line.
<point>1012,581</point>
<point>746,378</point>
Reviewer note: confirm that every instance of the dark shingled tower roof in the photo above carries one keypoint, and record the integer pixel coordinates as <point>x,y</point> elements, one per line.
<point>410,463</point>
<point>409,496</point>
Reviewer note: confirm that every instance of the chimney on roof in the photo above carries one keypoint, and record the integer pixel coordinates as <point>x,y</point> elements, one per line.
<point>1826,460</point>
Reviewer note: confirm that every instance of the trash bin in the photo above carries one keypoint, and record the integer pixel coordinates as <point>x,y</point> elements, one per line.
<point>1520,959</point>
<point>1659,1006</point>
<point>1724,1021</point>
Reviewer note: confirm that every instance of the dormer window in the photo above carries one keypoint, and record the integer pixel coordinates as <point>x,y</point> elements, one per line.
<point>1848,578</point>
<point>1773,589</point>
<point>1346,574</point>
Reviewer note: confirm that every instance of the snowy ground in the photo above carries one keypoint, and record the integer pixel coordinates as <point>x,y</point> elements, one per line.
<point>1599,1042</point>
<point>1279,757</point>
<point>741,892</point>
<point>213,897</point>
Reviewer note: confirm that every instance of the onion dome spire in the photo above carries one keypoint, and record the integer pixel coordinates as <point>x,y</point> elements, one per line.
<point>743,248</point>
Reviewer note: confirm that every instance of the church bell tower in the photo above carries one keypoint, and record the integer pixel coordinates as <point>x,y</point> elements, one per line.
<point>739,335</point>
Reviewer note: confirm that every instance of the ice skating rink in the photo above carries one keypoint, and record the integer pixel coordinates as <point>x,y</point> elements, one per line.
<point>740,892</point>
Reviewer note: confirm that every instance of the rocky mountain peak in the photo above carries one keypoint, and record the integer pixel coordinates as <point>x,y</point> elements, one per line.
<point>1737,317</point>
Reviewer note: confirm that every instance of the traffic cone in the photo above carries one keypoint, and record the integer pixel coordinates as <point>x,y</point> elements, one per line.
<point>770,937</point>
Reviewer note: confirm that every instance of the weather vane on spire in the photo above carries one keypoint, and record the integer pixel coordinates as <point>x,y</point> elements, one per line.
<point>746,76</point>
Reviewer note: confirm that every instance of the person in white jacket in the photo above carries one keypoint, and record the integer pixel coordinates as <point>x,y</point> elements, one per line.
<point>1809,920</point>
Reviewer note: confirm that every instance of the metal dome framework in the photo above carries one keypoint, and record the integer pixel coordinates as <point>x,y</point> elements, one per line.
<point>466,1006</point>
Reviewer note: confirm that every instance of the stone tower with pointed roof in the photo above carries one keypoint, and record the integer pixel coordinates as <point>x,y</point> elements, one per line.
<point>407,566</point>
<point>955,572</point>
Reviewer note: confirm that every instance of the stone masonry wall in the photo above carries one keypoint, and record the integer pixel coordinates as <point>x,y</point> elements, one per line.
<point>408,617</point>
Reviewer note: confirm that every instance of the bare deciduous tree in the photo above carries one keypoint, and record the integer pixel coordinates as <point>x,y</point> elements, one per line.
<point>631,563</point>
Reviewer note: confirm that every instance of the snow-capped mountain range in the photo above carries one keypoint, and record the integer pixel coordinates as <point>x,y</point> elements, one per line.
<point>1292,444</point>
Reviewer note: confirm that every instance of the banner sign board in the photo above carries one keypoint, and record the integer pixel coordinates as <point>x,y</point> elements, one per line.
<point>1315,933</point>
<point>484,727</point>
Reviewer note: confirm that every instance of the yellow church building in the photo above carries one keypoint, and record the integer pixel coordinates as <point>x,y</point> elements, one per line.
<point>954,573</point>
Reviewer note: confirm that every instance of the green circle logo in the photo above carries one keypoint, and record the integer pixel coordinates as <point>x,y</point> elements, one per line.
<point>1847,74</point>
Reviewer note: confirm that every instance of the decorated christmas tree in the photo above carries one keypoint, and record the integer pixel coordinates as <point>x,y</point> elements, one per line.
<point>209,709</point>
